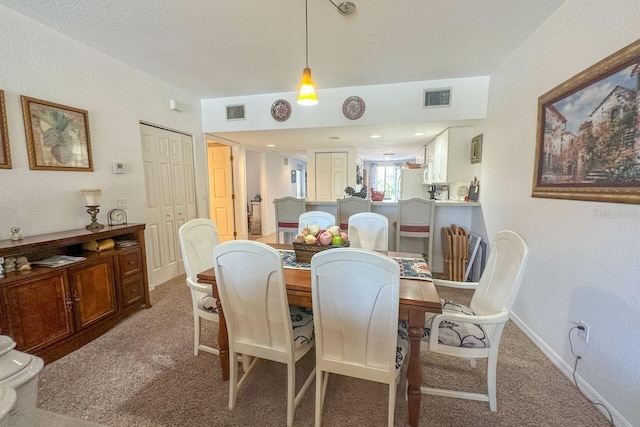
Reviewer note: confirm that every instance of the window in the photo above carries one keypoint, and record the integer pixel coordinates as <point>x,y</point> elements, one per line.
<point>384,177</point>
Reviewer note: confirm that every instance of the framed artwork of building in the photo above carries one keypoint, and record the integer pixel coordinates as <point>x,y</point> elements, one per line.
<point>5,152</point>
<point>588,133</point>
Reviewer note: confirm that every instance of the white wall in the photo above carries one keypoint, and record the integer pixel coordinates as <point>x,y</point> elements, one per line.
<point>392,103</point>
<point>41,63</point>
<point>582,266</point>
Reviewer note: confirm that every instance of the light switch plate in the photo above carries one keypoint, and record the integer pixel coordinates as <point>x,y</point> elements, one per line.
<point>118,167</point>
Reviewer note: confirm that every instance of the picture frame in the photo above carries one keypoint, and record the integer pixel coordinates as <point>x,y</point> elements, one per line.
<point>588,133</point>
<point>58,136</point>
<point>5,151</point>
<point>476,149</point>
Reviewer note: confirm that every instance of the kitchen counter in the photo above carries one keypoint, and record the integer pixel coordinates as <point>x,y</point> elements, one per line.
<point>447,212</point>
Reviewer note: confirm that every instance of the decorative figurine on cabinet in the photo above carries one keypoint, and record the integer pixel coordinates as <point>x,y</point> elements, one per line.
<point>15,234</point>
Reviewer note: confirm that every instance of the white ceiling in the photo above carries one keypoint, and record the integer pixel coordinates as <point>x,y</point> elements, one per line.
<point>225,48</point>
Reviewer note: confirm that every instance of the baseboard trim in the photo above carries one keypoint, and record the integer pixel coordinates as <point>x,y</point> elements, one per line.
<point>567,370</point>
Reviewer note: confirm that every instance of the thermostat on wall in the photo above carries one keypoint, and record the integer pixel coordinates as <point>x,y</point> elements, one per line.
<point>118,167</point>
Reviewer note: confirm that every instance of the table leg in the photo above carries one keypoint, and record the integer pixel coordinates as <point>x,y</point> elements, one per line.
<point>223,339</point>
<point>414,371</point>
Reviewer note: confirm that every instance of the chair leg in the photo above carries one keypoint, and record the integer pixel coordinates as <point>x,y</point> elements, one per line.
<point>291,391</point>
<point>321,390</point>
<point>196,333</point>
<point>392,402</point>
<point>492,363</point>
<point>233,378</point>
<point>277,236</point>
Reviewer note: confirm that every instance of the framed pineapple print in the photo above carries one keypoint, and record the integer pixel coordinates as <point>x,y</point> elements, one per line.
<point>57,136</point>
<point>5,153</point>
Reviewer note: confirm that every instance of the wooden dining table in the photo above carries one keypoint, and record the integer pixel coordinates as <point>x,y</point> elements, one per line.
<point>417,297</point>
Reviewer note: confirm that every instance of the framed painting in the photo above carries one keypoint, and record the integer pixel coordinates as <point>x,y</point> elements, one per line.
<point>476,149</point>
<point>5,152</point>
<point>588,134</point>
<point>57,136</point>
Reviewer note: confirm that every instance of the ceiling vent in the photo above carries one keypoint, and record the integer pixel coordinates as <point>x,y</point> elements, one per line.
<point>437,97</point>
<point>235,112</point>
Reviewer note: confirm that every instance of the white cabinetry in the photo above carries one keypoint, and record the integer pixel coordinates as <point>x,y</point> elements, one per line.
<point>441,157</point>
<point>449,153</point>
<point>331,175</point>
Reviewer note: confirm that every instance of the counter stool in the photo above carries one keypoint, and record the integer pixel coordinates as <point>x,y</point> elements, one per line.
<point>288,210</point>
<point>349,206</point>
<point>415,219</point>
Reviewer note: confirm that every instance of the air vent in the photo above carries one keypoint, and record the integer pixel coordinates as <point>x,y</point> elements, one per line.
<point>235,112</point>
<point>437,97</point>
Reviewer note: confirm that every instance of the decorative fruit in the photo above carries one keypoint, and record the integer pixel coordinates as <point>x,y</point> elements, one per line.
<point>325,238</point>
<point>345,236</point>
<point>337,241</point>
<point>305,231</point>
<point>310,239</point>
<point>314,229</point>
<point>334,230</point>
<point>299,238</point>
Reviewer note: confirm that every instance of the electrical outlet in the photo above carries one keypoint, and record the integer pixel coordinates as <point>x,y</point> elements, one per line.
<point>583,330</point>
<point>122,203</point>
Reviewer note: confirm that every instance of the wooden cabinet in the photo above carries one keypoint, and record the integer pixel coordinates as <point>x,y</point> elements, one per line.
<point>36,312</point>
<point>51,311</point>
<point>93,291</point>
<point>331,175</point>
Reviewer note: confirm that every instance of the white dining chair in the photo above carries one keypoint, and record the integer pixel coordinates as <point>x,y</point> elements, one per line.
<point>350,206</point>
<point>322,219</point>
<point>197,239</point>
<point>415,219</point>
<point>369,230</point>
<point>260,323</point>
<point>475,331</point>
<point>355,294</point>
<point>288,210</point>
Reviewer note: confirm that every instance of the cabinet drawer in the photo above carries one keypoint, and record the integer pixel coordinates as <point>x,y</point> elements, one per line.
<point>130,262</point>
<point>132,290</point>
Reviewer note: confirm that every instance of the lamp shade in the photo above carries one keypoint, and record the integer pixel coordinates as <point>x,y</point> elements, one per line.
<point>307,95</point>
<point>92,197</point>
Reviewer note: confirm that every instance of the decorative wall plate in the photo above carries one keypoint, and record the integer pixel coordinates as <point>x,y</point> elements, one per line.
<point>353,107</point>
<point>281,110</point>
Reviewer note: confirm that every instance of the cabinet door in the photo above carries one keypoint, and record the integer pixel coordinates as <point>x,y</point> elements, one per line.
<point>441,157</point>
<point>94,292</point>
<point>37,311</point>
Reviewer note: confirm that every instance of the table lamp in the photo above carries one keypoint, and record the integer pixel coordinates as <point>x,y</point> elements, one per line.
<point>92,202</point>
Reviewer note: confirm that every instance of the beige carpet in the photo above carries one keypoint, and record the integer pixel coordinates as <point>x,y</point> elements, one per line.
<point>144,373</point>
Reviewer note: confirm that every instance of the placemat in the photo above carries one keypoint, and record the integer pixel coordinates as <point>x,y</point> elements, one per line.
<point>410,268</point>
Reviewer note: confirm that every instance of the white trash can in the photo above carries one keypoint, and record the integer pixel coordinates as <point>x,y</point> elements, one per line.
<point>19,371</point>
<point>7,402</point>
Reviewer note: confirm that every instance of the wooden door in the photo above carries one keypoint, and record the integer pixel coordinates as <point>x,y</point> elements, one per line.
<point>221,195</point>
<point>37,312</point>
<point>93,291</point>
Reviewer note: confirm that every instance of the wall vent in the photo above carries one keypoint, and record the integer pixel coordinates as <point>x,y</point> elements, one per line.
<point>437,97</point>
<point>235,112</point>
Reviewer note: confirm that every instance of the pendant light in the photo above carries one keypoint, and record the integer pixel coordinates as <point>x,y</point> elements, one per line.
<point>307,94</point>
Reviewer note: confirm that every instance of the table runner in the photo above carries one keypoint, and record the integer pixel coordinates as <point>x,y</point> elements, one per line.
<point>410,268</point>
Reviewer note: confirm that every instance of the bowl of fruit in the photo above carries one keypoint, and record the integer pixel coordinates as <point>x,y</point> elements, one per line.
<point>312,239</point>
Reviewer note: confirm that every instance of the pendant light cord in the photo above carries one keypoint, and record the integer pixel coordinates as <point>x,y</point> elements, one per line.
<point>338,7</point>
<point>306,27</point>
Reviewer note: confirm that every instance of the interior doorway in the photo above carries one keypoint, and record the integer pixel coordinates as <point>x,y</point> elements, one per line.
<point>221,189</point>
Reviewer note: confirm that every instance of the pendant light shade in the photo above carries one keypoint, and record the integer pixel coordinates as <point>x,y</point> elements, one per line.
<point>307,94</point>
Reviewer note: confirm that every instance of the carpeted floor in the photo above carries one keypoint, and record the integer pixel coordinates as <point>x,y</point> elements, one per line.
<point>144,373</point>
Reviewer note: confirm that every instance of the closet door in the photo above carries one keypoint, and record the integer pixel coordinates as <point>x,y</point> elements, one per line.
<point>171,198</point>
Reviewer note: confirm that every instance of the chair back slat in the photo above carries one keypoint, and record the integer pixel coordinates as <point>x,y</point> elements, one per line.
<point>369,230</point>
